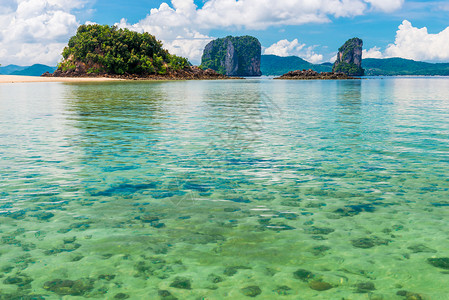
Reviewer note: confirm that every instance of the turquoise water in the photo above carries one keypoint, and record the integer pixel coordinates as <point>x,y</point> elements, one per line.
<point>225,189</point>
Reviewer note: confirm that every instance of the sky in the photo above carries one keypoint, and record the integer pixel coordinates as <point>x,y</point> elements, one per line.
<point>36,31</point>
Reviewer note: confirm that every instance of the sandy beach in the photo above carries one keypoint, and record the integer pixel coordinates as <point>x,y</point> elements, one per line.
<point>24,79</point>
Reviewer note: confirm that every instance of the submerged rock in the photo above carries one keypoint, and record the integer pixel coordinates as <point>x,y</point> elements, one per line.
<point>69,287</point>
<point>303,275</point>
<point>410,295</point>
<point>418,248</point>
<point>365,287</point>
<point>121,296</point>
<point>441,262</point>
<point>181,283</point>
<point>230,271</point>
<point>166,295</point>
<point>370,242</point>
<point>318,230</point>
<point>251,291</point>
<point>214,278</point>
<point>19,280</point>
<point>320,285</point>
<point>283,290</point>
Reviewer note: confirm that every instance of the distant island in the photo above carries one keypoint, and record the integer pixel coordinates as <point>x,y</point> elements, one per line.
<point>106,51</point>
<point>347,65</point>
<point>272,65</point>
<point>102,50</point>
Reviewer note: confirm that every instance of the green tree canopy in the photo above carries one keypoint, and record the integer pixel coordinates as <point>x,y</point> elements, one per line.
<point>107,49</point>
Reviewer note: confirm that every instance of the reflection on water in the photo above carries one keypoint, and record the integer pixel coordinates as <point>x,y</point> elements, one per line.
<point>235,189</point>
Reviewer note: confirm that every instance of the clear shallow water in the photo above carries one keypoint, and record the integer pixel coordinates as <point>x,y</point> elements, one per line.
<point>203,189</point>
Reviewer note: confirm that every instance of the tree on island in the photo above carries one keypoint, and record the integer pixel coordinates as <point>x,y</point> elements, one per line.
<point>103,49</point>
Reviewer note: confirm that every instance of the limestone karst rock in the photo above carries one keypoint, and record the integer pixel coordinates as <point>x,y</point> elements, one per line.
<point>233,56</point>
<point>349,58</point>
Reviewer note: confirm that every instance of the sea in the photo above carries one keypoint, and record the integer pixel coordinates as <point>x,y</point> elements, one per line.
<point>233,189</point>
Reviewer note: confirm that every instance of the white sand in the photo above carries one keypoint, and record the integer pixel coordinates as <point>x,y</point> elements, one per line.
<point>21,79</point>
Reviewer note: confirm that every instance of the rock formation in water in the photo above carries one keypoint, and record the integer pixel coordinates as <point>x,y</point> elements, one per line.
<point>105,51</point>
<point>310,75</point>
<point>349,58</point>
<point>233,56</point>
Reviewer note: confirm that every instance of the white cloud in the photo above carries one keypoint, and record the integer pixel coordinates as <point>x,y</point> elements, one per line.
<point>287,48</point>
<point>386,5</point>
<point>372,53</point>
<point>184,28</point>
<point>45,25</point>
<point>36,31</point>
<point>416,43</point>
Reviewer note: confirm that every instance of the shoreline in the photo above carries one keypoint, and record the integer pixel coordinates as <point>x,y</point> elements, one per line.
<point>28,79</point>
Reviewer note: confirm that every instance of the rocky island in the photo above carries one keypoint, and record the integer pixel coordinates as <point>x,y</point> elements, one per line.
<point>105,51</point>
<point>310,75</point>
<point>233,56</point>
<point>347,65</point>
<point>349,58</point>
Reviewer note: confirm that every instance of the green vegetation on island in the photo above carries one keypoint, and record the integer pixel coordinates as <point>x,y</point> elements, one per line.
<point>272,65</point>
<point>400,66</point>
<point>102,49</point>
<point>349,58</point>
<point>233,56</point>
<point>277,65</point>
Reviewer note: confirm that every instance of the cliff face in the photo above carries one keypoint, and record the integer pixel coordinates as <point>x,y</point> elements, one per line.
<point>233,56</point>
<point>349,58</point>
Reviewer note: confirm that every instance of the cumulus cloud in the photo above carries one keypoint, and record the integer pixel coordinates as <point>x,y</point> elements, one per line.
<point>287,48</point>
<point>46,25</point>
<point>183,27</point>
<point>372,53</point>
<point>386,5</point>
<point>36,31</point>
<point>416,43</point>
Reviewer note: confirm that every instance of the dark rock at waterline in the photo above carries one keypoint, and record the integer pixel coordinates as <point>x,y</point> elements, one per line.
<point>320,285</point>
<point>251,291</point>
<point>303,275</point>
<point>365,287</point>
<point>441,262</point>
<point>181,283</point>
<point>69,287</point>
<point>311,75</point>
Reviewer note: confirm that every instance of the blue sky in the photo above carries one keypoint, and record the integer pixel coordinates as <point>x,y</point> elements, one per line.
<point>35,31</point>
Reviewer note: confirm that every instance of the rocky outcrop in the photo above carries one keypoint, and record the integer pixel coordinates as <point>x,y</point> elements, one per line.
<point>188,73</point>
<point>233,56</point>
<point>349,58</point>
<point>310,75</point>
